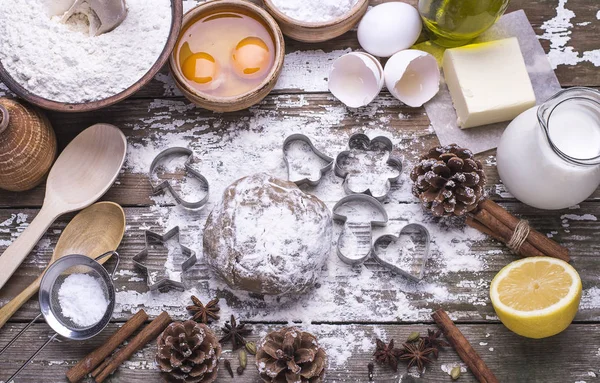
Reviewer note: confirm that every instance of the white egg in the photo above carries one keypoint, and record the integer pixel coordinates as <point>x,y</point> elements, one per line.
<point>356,79</point>
<point>412,76</point>
<point>388,28</point>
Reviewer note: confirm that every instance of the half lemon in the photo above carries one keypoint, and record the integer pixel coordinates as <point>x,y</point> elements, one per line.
<point>536,297</point>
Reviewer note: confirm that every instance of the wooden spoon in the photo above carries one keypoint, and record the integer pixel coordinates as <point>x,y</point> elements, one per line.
<point>94,231</point>
<point>83,172</point>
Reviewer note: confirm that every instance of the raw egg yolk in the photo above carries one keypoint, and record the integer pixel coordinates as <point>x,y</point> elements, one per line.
<point>251,56</point>
<point>200,67</point>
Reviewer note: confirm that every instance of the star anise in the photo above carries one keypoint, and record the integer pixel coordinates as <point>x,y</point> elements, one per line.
<point>387,354</point>
<point>417,354</point>
<point>204,313</point>
<point>235,332</point>
<point>432,340</point>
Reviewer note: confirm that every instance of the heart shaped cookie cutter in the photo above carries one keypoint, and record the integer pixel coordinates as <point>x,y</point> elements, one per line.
<point>414,267</point>
<point>361,142</point>
<point>166,184</point>
<point>358,233</point>
<point>306,177</point>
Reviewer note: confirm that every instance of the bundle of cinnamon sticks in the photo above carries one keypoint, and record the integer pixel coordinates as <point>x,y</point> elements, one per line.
<point>101,365</point>
<point>494,220</point>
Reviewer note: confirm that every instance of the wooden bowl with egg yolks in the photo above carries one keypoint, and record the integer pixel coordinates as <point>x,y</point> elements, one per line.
<point>247,99</point>
<point>19,90</point>
<point>310,32</point>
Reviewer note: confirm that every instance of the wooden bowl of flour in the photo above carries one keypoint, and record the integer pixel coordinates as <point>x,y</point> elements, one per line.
<point>19,90</point>
<point>315,32</point>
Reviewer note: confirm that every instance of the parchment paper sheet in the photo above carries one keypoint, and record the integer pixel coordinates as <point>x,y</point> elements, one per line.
<point>545,84</point>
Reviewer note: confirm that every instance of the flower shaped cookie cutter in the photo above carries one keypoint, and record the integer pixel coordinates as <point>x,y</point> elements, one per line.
<point>163,280</point>
<point>368,167</point>
<point>166,184</point>
<point>311,166</point>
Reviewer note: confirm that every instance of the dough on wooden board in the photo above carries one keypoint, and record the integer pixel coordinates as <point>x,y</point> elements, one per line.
<point>267,236</point>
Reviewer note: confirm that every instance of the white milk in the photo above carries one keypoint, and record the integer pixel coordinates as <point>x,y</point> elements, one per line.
<point>535,173</point>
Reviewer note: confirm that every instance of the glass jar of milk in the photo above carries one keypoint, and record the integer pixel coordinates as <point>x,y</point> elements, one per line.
<point>549,156</point>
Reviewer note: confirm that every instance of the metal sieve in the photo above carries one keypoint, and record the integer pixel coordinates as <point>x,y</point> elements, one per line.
<point>49,302</point>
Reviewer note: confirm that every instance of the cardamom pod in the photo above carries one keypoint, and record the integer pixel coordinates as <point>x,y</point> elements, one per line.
<point>455,373</point>
<point>240,370</point>
<point>228,367</point>
<point>414,336</point>
<point>243,358</point>
<point>251,347</point>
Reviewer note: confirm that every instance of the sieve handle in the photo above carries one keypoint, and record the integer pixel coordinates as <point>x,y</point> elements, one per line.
<point>32,357</point>
<point>108,254</point>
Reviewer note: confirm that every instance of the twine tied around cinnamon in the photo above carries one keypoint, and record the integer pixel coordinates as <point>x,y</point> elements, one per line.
<point>519,236</point>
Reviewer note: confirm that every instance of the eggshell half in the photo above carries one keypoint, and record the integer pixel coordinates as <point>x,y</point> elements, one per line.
<point>412,76</point>
<point>388,28</point>
<point>356,79</point>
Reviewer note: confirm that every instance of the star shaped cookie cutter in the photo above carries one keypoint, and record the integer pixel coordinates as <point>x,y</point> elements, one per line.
<point>166,184</point>
<point>164,281</point>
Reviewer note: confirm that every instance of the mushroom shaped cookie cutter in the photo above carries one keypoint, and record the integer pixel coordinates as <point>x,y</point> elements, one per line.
<point>355,241</point>
<point>412,267</point>
<point>166,184</point>
<point>163,280</point>
<point>362,143</point>
<point>307,176</point>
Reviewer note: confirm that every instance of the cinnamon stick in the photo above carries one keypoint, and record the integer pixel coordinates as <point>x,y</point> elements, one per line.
<point>484,229</point>
<point>537,239</point>
<point>527,249</point>
<point>96,357</point>
<point>463,348</point>
<point>142,338</point>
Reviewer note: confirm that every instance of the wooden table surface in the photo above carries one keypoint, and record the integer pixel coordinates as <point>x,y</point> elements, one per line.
<point>353,305</point>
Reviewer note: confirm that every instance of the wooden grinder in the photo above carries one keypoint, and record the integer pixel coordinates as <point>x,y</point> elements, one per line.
<point>27,146</point>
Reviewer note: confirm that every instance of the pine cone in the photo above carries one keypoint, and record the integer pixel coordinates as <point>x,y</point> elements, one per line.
<point>290,355</point>
<point>188,352</point>
<point>449,181</point>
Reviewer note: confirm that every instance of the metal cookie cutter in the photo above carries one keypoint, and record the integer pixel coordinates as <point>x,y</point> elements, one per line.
<point>410,265</point>
<point>354,243</point>
<point>305,177</point>
<point>166,184</point>
<point>162,281</point>
<point>345,164</point>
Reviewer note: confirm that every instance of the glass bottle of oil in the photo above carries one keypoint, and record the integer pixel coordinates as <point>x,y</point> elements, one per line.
<point>452,23</point>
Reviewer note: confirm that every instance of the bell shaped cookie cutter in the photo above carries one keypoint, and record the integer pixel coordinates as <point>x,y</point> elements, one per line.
<point>307,178</point>
<point>355,242</point>
<point>414,266</point>
<point>361,142</point>
<point>166,184</point>
<point>164,281</point>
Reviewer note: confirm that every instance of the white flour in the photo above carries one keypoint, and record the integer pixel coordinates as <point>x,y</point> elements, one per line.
<point>316,11</point>
<point>82,299</point>
<point>54,61</point>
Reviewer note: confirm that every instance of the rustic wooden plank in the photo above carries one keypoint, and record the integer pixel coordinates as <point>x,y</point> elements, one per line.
<point>227,141</point>
<point>457,277</point>
<point>569,357</point>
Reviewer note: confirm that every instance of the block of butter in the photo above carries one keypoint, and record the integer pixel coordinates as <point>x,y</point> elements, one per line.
<point>488,82</point>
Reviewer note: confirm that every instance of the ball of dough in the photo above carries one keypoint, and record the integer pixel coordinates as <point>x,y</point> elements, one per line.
<point>267,236</point>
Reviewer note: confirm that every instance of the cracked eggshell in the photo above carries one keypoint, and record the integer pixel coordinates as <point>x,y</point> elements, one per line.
<point>412,76</point>
<point>388,28</point>
<point>356,79</point>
